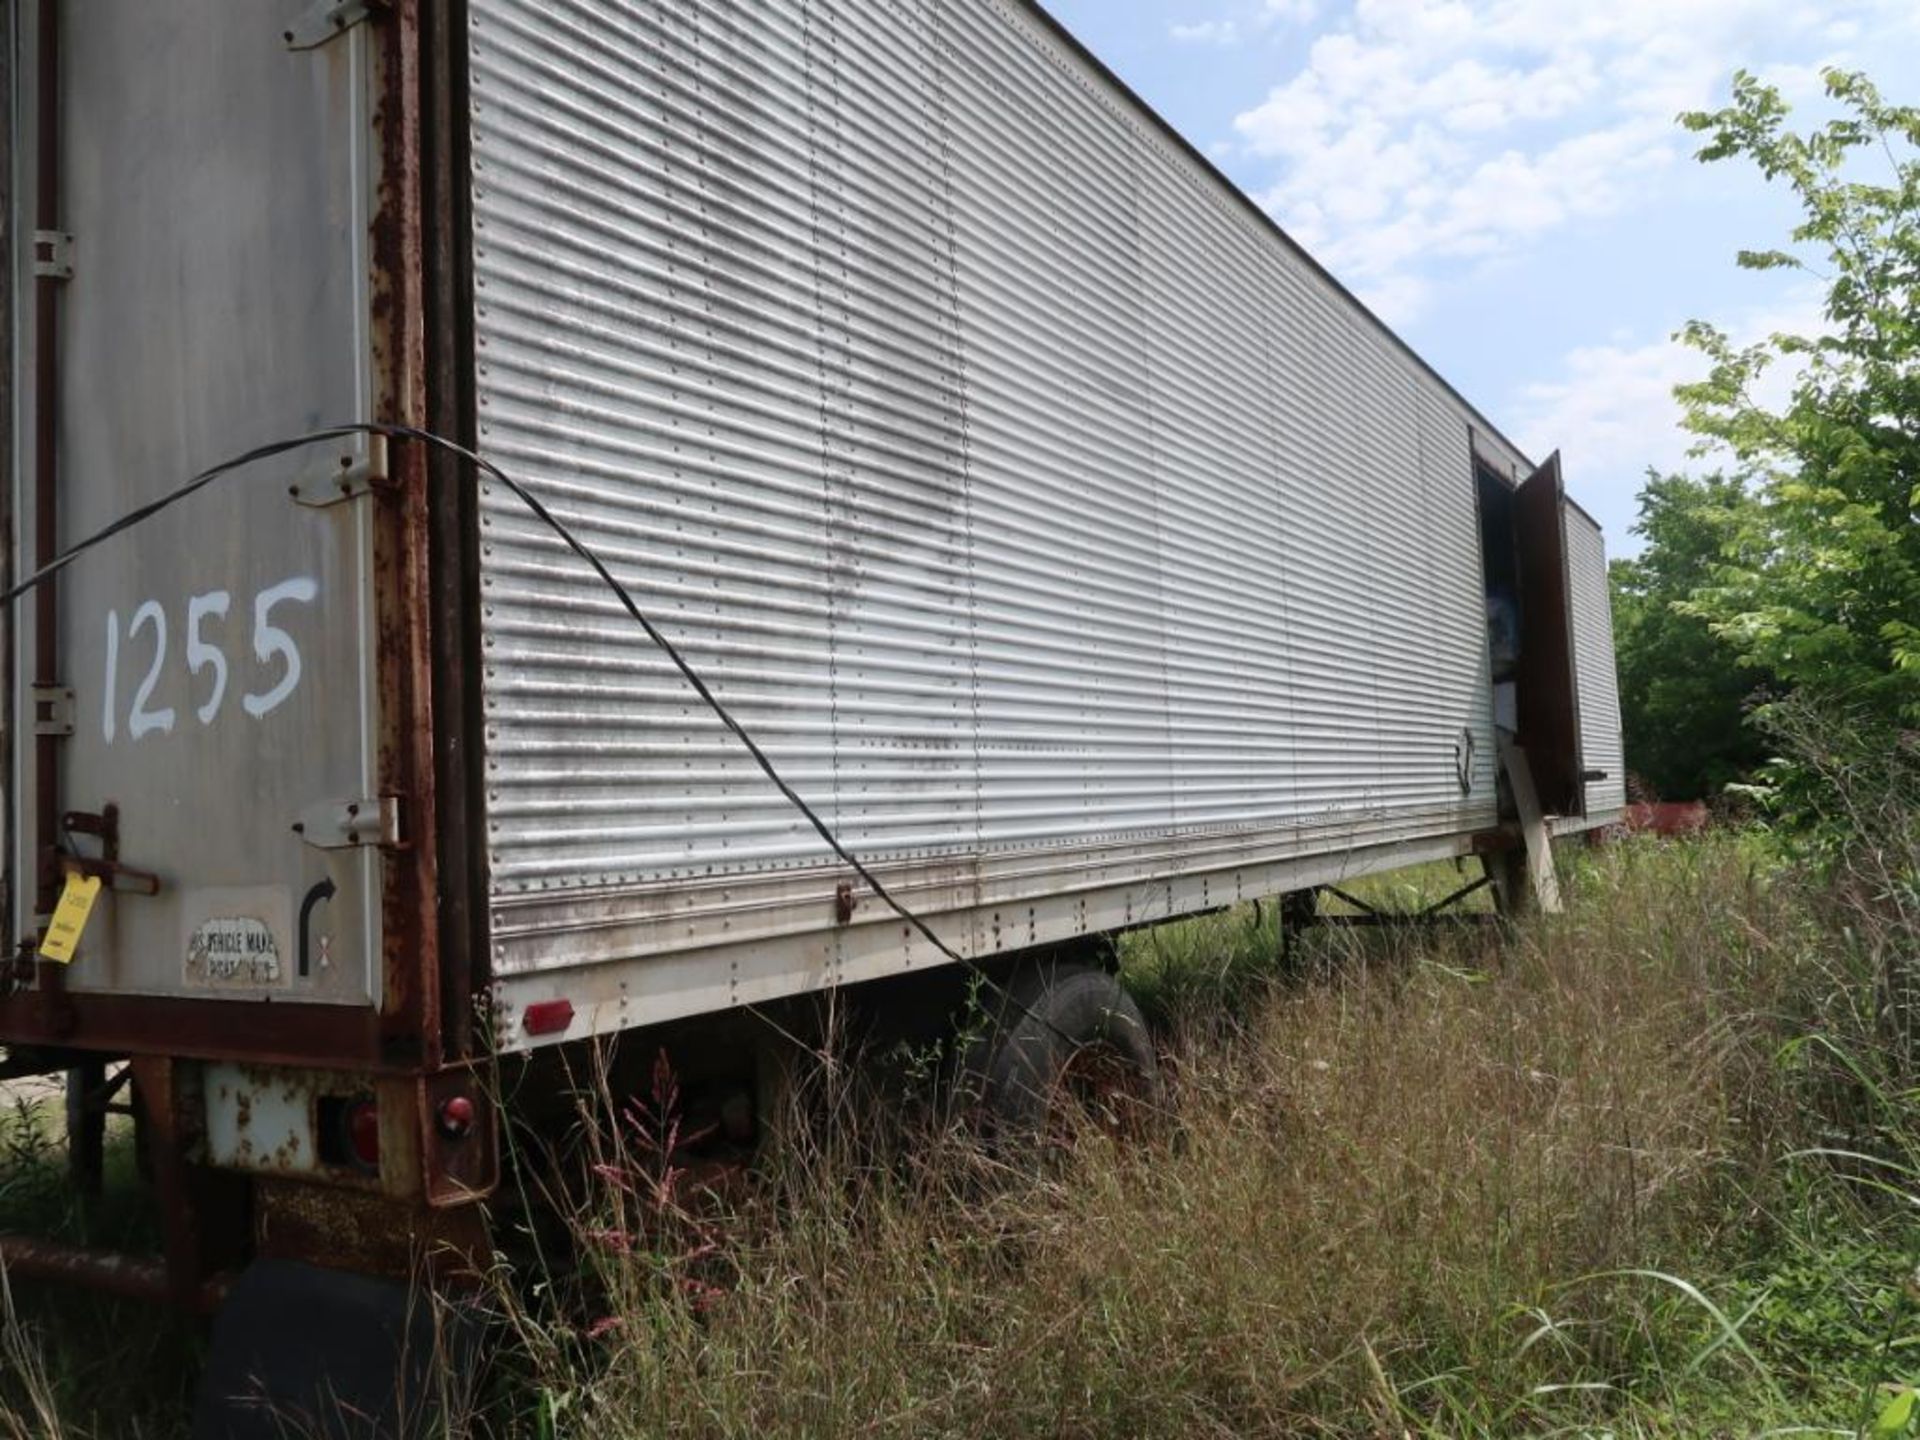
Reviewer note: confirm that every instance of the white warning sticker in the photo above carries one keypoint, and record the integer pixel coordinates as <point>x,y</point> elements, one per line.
<point>233,950</point>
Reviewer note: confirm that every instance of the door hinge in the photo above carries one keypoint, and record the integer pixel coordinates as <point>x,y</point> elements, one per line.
<point>320,22</point>
<point>334,482</point>
<point>52,710</point>
<point>346,824</point>
<point>53,254</point>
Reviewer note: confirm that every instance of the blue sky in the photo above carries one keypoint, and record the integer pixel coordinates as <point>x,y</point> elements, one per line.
<point>1504,182</point>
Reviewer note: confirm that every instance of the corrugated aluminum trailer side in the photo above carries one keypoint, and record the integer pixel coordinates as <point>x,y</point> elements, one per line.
<point>1597,675</point>
<point>1078,546</point>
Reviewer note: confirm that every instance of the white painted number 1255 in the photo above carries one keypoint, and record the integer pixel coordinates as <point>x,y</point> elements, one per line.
<point>271,646</point>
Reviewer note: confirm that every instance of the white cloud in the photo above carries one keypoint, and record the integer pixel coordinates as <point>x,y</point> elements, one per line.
<point>1271,15</point>
<point>1396,299</point>
<point>1207,32</point>
<point>1426,132</point>
<point>1290,12</point>
<point>1612,411</point>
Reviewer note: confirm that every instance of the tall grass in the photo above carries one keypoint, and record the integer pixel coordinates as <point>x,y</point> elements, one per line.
<point>1643,1168</point>
<point>1454,1186</point>
<point>78,1365</point>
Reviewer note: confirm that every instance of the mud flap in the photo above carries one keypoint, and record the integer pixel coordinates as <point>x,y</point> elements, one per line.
<point>298,1350</point>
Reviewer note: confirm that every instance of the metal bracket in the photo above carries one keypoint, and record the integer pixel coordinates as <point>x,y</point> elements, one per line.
<point>52,710</point>
<point>346,824</point>
<point>104,827</point>
<point>53,254</point>
<point>325,19</point>
<point>337,482</point>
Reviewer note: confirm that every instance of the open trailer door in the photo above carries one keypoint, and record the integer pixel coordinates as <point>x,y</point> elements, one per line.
<point>1548,700</point>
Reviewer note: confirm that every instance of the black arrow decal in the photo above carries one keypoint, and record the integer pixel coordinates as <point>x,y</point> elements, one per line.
<point>323,891</point>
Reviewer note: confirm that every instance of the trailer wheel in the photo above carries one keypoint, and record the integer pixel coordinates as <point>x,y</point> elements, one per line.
<point>298,1350</point>
<point>1069,1048</point>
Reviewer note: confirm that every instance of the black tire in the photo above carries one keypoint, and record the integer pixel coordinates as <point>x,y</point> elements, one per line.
<point>302,1351</point>
<point>1055,1025</point>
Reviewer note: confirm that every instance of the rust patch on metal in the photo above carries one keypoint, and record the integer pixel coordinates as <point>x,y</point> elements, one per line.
<point>410,1021</point>
<point>461,1162</point>
<point>368,1234</point>
<point>453,515</point>
<point>113,1272</point>
<point>203,1213</point>
<point>197,1029</point>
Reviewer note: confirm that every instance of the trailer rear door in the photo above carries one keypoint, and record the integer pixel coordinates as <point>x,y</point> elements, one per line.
<point>1548,698</point>
<point>214,182</point>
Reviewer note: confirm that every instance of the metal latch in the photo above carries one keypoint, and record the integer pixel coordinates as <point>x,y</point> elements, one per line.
<point>320,22</point>
<point>113,874</point>
<point>53,254</point>
<point>335,482</point>
<point>104,827</point>
<point>52,709</point>
<point>345,824</point>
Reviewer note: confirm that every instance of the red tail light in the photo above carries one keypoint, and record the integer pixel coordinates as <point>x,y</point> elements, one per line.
<point>363,1134</point>
<point>547,1017</point>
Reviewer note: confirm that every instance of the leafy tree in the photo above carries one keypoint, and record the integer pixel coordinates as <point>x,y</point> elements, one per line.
<point>1818,581</point>
<point>1684,692</point>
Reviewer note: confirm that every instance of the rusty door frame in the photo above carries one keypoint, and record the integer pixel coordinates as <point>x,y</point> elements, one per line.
<point>453,545</point>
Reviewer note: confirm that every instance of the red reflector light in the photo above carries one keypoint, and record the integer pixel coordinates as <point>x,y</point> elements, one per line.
<point>547,1017</point>
<point>363,1133</point>
<point>456,1117</point>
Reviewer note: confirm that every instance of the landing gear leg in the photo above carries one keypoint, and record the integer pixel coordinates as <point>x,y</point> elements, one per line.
<point>87,1127</point>
<point>1512,888</point>
<point>1299,912</point>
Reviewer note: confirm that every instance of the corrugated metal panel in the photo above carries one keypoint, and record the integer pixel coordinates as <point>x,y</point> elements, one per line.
<point>1456,627</point>
<point>1593,663</point>
<point>999,470</point>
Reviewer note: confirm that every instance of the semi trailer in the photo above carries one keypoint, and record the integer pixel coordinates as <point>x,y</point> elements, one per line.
<point>1075,550</point>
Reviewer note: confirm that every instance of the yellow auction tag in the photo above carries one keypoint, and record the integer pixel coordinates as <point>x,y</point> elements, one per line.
<point>70,918</point>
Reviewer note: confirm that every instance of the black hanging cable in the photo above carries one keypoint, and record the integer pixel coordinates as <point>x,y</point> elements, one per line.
<point>199,482</point>
<point>687,672</point>
<point>142,513</point>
